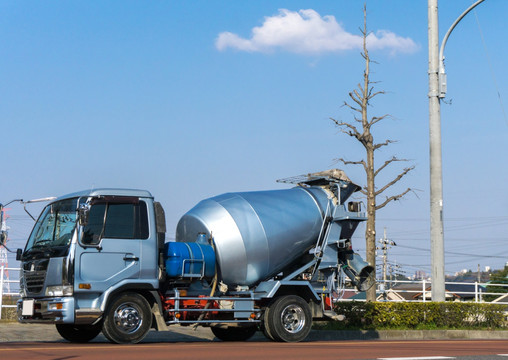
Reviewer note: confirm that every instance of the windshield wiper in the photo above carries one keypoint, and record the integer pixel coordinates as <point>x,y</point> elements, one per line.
<point>39,247</point>
<point>42,243</point>
<point>45,250</point>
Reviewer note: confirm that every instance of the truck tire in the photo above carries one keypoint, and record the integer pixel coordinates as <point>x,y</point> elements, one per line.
<point>128,319</point>
<point>288,319</point>
<point>265,326</point>
<point>78,333</point>
<point>234,333</point>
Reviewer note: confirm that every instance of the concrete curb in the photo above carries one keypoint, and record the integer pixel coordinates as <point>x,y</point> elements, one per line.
<point>327,335</point>
<point>15,332</point>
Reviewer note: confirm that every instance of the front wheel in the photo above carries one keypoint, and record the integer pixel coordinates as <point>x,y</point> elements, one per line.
<point>78,333</point>
<point>234,333</point>
<point>127,319</point>
<point>288,319</point>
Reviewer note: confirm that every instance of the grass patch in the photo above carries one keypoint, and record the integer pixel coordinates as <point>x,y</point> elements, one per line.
<point>9,314</point>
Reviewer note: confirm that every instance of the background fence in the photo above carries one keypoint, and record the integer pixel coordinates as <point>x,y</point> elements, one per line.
<point>397,290</point>
<point>9,289</point>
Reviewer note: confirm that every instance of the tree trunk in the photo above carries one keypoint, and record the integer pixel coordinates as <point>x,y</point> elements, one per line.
<point>370,231</point>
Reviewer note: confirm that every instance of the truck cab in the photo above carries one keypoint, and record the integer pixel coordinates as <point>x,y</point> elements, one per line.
<point>69,272</point>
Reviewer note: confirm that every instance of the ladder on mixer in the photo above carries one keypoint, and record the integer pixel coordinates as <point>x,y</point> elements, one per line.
<point>321,243</point>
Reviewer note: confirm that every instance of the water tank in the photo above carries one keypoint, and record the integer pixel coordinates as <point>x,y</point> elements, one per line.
<point>257,234</point>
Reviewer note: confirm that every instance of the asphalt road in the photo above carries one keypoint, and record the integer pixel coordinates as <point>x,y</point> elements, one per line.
<point>211,350</point>
<point>43,342</point>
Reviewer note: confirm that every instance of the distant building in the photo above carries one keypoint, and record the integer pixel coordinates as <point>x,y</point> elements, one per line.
<point>420,275</point>
<point>462,272</point>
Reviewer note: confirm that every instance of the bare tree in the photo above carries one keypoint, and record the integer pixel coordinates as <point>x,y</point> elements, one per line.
<point>360,129</point>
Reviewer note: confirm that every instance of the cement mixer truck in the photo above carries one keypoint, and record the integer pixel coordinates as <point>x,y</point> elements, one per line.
<point>271,261</point>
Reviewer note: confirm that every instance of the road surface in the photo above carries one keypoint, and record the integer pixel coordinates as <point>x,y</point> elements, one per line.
<point>43,342</point>
<point>210,350</point>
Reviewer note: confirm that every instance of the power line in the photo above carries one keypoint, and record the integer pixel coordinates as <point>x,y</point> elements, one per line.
<point>491,68</point>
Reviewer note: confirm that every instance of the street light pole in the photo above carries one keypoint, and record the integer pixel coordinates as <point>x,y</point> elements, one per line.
<point>436,172</point>
<point>437,91</point>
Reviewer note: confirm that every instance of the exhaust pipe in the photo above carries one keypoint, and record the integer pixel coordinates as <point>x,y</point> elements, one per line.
<point>358,270</point>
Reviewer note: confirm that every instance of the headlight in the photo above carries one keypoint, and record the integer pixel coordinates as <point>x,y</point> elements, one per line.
<point>22,291</point>
<point>59,290</point>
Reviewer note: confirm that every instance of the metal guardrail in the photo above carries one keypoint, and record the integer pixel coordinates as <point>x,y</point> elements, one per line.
<point>421,290</point>
<point>4,283</point>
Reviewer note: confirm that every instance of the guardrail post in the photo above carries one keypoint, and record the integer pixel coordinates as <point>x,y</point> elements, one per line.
<point>1,289</point>
<point>423,289</point>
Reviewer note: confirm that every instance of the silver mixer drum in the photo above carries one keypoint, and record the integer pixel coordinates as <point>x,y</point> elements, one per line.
<point>257,234</point>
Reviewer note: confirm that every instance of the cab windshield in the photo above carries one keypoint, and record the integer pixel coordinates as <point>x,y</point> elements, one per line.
<point>54,228</point>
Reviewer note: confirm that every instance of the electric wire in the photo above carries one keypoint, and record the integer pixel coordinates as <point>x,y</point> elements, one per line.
<point>491,68</point>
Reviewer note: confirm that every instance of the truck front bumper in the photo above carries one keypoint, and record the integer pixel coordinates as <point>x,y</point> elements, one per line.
<point>58,310</point>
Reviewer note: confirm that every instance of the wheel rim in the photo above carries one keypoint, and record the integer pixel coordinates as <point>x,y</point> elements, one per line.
<point>128,318</point>
<point>293,318</point>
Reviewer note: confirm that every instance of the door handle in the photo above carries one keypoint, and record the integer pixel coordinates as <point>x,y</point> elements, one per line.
<point>130,257</point>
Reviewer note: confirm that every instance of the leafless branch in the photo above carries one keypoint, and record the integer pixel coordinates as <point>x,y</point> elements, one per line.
<point>392,198</point>
<point>353,131</point>
<point>349,162</point>
<point>372,95</point>
<point>351,107</point>
<point>387,142</point>
<point>360,88</point>
<point>386,163</point>
<point>376,119</point>
<point>400,176</point>
<point>356,97</point>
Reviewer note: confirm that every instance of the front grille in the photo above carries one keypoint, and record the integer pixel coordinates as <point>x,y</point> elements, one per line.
<point>34,281</point>
<point>34,275</point>
<point>37,265</point>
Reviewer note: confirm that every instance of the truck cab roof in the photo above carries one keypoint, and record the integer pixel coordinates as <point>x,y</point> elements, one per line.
<point>108,192</point>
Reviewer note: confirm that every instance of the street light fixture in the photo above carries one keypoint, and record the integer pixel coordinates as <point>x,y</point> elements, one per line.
<point>442,72</point>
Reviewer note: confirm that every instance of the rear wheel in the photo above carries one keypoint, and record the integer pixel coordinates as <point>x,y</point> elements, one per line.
<point>288,319</point>
<point>128,319</point>
<point>234,333</point>
<point>78,333</point>
<point>265,326</point>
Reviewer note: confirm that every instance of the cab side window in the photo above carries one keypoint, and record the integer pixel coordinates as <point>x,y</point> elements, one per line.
<point>116,220</point>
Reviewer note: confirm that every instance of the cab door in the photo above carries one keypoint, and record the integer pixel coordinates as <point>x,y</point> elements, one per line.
<point>109,249</point>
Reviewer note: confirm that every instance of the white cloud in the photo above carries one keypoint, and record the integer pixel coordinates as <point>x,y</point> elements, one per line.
<point>306,32</point>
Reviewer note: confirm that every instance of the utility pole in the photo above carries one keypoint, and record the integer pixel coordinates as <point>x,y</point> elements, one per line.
<point>436,172</point>
<point>384,246</point>
<point>437,91</point>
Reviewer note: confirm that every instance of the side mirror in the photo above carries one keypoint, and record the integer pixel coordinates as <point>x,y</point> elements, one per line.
<point>83,214</point>
<point>19,254</point>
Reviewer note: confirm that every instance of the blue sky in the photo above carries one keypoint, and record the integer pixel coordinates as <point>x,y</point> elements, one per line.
<point>154,95</point>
